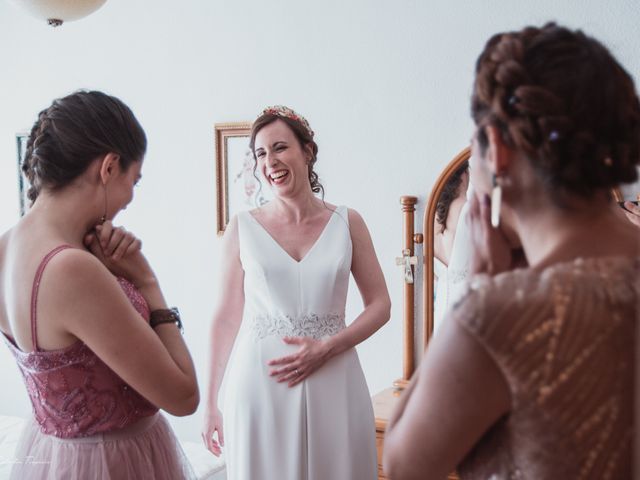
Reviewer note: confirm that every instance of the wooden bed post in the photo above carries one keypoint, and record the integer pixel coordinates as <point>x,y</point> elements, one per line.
<point>407,261</point>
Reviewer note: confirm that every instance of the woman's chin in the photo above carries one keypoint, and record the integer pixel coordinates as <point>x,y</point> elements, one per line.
<point>282,193</point>
<point>284,189</point>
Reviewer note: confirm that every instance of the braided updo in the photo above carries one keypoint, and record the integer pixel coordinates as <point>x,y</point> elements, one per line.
<point>560,97</point>
<point>73,132</point>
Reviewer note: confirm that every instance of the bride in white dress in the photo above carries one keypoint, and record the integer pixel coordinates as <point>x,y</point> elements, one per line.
<point>297,405</point>
<point>452,243</point>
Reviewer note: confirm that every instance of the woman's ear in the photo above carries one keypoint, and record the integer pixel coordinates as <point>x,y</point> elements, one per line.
<point>308,153</point>
<point>109,167</point>
<point>499,154</point>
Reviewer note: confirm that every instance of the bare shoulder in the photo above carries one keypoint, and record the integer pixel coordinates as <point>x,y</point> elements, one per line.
<point>80,270</point>
<point>360,235</point>
<point>231,238</point>
<point>357,223</point>
<point>354,215</point>
<point>329,206</point>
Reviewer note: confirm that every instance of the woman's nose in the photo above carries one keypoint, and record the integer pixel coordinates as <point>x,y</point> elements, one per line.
<point>271,159</point>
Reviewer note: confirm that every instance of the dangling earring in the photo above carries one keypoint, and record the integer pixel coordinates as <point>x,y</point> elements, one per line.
<point>104,215</point>
<point>496,202</point>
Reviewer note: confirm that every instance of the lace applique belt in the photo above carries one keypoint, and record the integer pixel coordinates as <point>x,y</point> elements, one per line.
<point>307,325</point>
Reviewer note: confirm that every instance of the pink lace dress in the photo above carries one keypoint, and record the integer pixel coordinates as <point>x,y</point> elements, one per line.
<point>88,423</point>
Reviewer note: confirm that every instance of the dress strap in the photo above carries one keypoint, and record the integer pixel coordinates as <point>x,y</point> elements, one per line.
<point>36,287</point>
<point>343,211</point>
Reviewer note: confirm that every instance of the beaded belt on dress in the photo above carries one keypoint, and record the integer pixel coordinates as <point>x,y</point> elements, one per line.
<point>307,325</point>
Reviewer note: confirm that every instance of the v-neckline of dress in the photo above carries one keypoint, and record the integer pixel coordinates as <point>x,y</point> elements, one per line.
<point>281,248</point>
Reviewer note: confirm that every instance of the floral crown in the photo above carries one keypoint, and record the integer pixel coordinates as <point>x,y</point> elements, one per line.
<point>284,111</point>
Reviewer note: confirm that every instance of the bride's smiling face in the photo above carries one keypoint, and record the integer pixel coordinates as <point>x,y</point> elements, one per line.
<point>282,159</point>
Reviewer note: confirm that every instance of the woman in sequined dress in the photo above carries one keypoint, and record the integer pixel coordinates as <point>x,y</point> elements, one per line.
<point>76,301</point>
<point>532,375</point>
<point>297,406</point>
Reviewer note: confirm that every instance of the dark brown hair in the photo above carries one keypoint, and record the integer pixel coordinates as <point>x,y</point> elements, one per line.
<point>73,132</point>
<point>560,97</point>
<point>449,193</point>
<point>304,138</point>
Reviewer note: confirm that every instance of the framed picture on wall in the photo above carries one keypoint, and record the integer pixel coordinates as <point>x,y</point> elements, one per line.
<point>237,186</point>
<point>23,183</point>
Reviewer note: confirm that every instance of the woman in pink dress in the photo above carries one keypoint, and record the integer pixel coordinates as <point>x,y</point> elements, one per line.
<point>81,309</point>
<point>532,374</point>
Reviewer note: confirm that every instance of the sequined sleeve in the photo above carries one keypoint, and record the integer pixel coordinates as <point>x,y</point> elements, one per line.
<point>507,317</point>
<point>563,339</point>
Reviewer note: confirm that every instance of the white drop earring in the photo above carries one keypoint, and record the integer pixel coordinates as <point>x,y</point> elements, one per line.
<point>496,202</point>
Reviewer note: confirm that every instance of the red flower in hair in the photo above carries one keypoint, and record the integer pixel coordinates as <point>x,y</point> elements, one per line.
<point>284,111</point>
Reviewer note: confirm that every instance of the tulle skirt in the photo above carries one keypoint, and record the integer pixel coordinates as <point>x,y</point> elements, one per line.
<point>147,449</point>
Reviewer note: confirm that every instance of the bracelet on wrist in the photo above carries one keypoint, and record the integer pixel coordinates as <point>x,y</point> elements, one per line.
<point>166,315</point>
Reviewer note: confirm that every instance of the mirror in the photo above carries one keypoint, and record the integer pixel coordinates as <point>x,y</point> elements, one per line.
<point>446,252</point>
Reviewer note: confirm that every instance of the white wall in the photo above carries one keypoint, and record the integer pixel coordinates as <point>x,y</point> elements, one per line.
<point>385,84</point>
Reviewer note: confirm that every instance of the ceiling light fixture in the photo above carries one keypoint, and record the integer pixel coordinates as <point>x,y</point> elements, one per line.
<point>57,12</point>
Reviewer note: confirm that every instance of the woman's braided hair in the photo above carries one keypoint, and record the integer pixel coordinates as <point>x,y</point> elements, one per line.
<point>73,132</point>
<point>560,97</point>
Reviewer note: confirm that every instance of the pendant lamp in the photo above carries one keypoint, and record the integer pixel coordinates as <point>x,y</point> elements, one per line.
<point>57,12</point>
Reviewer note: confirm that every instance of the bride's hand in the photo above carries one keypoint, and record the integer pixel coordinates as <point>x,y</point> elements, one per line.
<point>212,424</point>
<point>492,253</point>
<point>120,251</point>
<point>295,368</point>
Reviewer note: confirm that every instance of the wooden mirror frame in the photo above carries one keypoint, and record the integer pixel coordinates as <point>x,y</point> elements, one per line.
<point>427,226</point>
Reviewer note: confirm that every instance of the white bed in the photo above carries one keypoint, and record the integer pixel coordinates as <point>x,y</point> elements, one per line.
<point>205,465</point>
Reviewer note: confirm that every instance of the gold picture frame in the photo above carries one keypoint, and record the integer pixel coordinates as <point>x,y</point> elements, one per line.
<point>231,156</point>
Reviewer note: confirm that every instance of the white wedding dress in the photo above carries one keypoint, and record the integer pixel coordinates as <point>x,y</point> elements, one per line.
<point>322,428</point>
<point>452,280</point>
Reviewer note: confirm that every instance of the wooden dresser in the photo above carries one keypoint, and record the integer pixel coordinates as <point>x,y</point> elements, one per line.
<point>383,404</point>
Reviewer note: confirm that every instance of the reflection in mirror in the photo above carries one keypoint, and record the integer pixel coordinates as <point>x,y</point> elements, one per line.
<point>450,242</point>
<point>447,251</point>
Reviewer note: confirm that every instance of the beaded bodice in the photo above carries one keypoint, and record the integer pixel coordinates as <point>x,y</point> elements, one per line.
<point>564,341</point>
<point>72,392</point>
